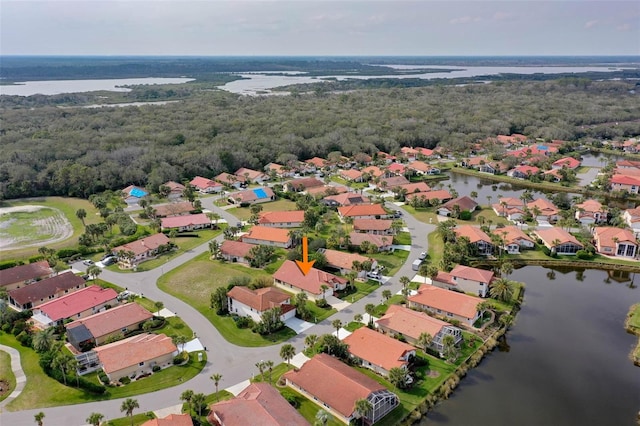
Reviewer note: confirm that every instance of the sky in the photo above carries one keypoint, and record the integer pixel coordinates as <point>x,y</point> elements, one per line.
<point>319,27</point>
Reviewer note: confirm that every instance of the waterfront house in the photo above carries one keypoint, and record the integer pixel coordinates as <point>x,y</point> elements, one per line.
<point>514,239</point>
<point>630,184</point>
<point>378,351</point>
<point>446,303</point>
<point>616,242</point>
<point>591,212</point>
<point>632,218</point>
<point>477,238</point>
<point>566,163</point>
<point>465,279</point>
<point>543,209</point>
<point>523,172</point>
<point>559,241</point>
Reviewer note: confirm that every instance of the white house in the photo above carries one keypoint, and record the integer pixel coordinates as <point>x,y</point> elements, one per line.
<point>253,303</point>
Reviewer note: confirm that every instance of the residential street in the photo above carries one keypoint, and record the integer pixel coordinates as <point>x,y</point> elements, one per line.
<point>231,361</point>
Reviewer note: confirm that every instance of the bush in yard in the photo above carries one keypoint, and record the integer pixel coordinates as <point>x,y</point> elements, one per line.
<point>322,303</point>
<point>155,368</point>
<point>124,380</point>
<point>181,358</point>
<point>584,255</point>
<point>103,377</point>
<point>465,215</point>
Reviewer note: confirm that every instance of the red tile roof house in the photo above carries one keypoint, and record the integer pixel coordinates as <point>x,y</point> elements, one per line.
<point>282,219</point>
<point>170,420</point>
<point>616,242</point>
<point>257,404</point>
<point>321,191</point>
<point>252,175</point>
<point>396,169</point>
<point>566,162</point>
<point>547,211</point>
<point>378,351</point>
<point>206,186</point>
<point>267,236</point>
<point>464,203</point>
<point>175,189</point>
<point>441,195</point>
<point>290,278</point>
<point>36,294</point>
<point>591,212</point>
<point>280,170</point>
<point>447,303</point>
<point>335,387</point>
<point>630,184</point>
<point>387,184</point>
<point>523,172</point>
<point>253,303</point>
<point>98,328</point>
<point>143,249</point>
<point>411,188</point>
<point>511,208</point>
<point>383,243</point>
<point>465,279</point>
<point>184,223</point>
<point>410,324</point>
<point>514,239</point>
<point>373,171</point>
<point>231,181</point>
<point>303,184</point>
<point>79,304</point>
<point>632,218</point>
<point>136,356</point>
<point>559,241</point>
<point>343,262</point>
<point>252,196</point>
<point>235,251</point>
<point>345,199</point>
<point>476,237</point>
<point>21,275</point>
<point>422,168</point>
<point>363,211</point>
<point>374,226</point>
<point>174,209</point>
<point>316,163</point>
<point>351,175</point>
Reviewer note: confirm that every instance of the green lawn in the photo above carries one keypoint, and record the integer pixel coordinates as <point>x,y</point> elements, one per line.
<point>244,213</point>
<point>193,283</point>
<point>352,185</point>
<point>402,238</point>
<point>426,215</point>
<point>306,408</point>
<point>392,261</point>
<point>138,419</point>
<point>436,248</point>
<point>6,374</point>
<point>353,326</point>
<point>277,371</point>
<point>361,290</point>
<point>319,314</point>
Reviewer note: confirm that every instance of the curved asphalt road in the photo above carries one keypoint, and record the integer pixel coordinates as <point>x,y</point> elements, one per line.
<point>235,363</point>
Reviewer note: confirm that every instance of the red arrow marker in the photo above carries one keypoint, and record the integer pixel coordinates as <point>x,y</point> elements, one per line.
<point>305,264</point>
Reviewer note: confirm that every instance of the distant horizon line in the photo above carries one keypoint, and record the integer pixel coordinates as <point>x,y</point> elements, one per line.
<point>312,56</point>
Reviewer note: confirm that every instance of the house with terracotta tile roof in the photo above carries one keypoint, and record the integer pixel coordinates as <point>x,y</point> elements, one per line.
<point>303,184</point>
<point>279,170</point>
<point>18,276</point>
<point>231,181</point>
<point>409,153</point>
<point>559,241</point>
<point>627,164</point>
<point>396,169</point>
<point>251,175</point>
<point>325,190</point>
<point>410,324</point>
<point>170,420</point>
<point>289,277</point>
<point>378,351</point>
<point>566,163</point>
<point>206,186</point>
<point>464,203</point>
<point>96,329</point>
<point>509,207</point>
<point>363,211</point>
<point>235,251</point>
<point>39,292</point>
<point>189,222</point>
<point>282,219</point>
<point>514,139</point>
<point>465,279</point>
<point>174,209</point>
<point>133,194</point>
<point>343,261</point>
<point>441,196</point>
<point>616,242</point>
<point>268,236</point>
<point>373,171</point>
<point>316,163</point>
<point>143,249</point>
<point>514,239</point>
<point>383,243</point>
<point>257,404</point>
<point>387,184</point>
<point>79,304</point>
<point>411,188</point>
<point>262,194</point>
<point>421,168</point>
<point>253,303</point>
<point>630,184</point>
<point>632,218</point>
<point>136,355</point>
<point>351,175</point>
<point>591,212</point>
<point>545,210</point>
<point>345,199</point>
<point>476,237</point>
<point>335,387</point>
<point>175,190</point>
<point>447,303</point>
<point>523,171</point>
<point>374,226</point>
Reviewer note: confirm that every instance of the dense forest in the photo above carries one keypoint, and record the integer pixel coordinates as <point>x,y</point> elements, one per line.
<point>79,151</point>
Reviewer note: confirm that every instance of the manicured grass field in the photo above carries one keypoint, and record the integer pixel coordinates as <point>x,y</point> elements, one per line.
<point>392,261</point>
<point>138,419</point>
<point>306,408</point>
<point>193,283</point>
<point>361,290</point>
<point>6,374</point>
<point>244,213</point>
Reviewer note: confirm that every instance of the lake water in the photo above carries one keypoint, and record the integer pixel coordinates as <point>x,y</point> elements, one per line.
<point>567,359</point>
<point>56,87</point>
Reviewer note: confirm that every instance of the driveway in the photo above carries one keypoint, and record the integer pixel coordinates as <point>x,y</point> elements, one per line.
<point>298,325</point>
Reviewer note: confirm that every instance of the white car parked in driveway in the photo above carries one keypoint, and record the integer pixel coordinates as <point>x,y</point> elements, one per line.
<point>88,262</point>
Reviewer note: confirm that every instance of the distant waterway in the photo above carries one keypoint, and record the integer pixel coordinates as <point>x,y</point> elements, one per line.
<point>564,362</point>
<point>56,87</point>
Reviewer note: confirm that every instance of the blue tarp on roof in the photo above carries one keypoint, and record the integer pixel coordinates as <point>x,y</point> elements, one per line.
<point>137,192</point>
<point>260,193</point>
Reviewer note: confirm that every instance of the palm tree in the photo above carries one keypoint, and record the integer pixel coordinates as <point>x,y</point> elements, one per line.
<point>43,340</point>
<point>322,418</point>
<point>260,365</point>
<point>159,305</point>
<point>370,308</point>
<point>269,364</point>
<point>404,280</point>
<point>287,352</point>
<point>81,214</point>
<point>386,294</point>
<point>357,317</point>
<point>362,407</point>
<point>506,269</point>
<point>128,405</point>
<point>62,361</point>
<point>38,418</point>
<point>95,419</point>
<point>187,396</point>
<point>324,289</point>
<point>198,401</point>
<point>337,324</point>
<point>94,271</point>
<point>424,340</point>
<point>398,377</point>
<point>501,289</point>
<point>216,377</point>
<point>179,341</point>
<point>449,344</point>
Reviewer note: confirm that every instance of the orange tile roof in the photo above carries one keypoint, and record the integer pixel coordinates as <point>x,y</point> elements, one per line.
<point>510,202</point>
<point>473,274</point>
<point>440,194</point>
<point>235,248</point>
<point>334,383</point>
<point>362,210</point>
<point>144,245</point>
<point>291,216</point>
<point>199,219</point>
<point>377,348</point>
<point>568,162</point>
<point>604,236</point>
<point>250,195</point>
<point>625,180</point>
<point>249,173</point>
<point>448,301</point>
<point>511,234</point>
<point>549,235</point>
<point>348,199</point>
<point>546,207</point>
<point>410,323</point>
<point>175,186</point>
<point>393,181</point>
<point>229,179</point>
<point>416,187</point>
<point>305,183</point>
<point>324,189</point>
<point>133,350</point>
<point>22,273</point>
<point>290,273</point>
<point>372,224</point>
<point>634,214</point>
<point>373,171</point>
<point>473,233</point>
<point>113,319</point>
<point>358,238</point>
<point>419,166</point>
<point>260,299</point>
<point>341,259</point>
<point>77,302</point>
<point>203,183</point>
<point>258,404</point>
<point>266,233</point>
<point>317,161</point>
<point>591,206</point>
<point>351,174</point>
<point>171,420</point>
<point>464,202</point>
<point>173,209</point>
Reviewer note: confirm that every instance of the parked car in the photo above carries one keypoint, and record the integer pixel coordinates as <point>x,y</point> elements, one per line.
<point>374,275</point>
<point>423,255</point>
<point>109,260</point>
<point>88,262</point>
